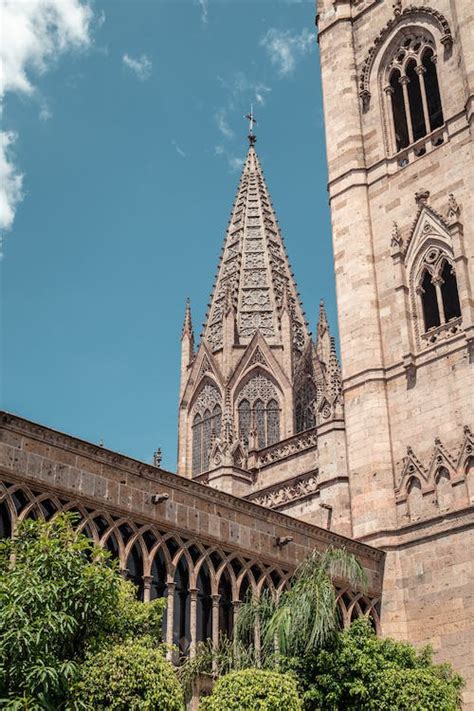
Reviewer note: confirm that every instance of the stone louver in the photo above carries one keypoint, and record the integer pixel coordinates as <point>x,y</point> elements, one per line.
<point>254,272</point>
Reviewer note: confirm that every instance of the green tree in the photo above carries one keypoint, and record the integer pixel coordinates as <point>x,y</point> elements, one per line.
<point>253,690</point>
<point>358,671</point>
<point>130,676</point>
<point>61,599</point>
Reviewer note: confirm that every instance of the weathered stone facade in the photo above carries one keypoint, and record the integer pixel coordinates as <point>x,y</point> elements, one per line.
<point>280,451</point>
<point>400,185</point>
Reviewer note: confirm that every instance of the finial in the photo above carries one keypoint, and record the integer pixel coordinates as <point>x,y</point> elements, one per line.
<point>252,121</point>
<point>187,324</point>
<point>157,458</point>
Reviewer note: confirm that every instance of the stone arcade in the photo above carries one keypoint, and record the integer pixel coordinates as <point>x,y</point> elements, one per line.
<point>280,451</point>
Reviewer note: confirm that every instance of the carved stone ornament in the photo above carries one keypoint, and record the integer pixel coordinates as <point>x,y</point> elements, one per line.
<point>453,209</point>
<point>412,12</point>
<point>292,445</point>
<point>421,196</point>
<point>288,492</point>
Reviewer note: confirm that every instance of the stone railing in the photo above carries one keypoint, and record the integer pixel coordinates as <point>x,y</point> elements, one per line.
<point>287,447</point>
<point>287,492</point>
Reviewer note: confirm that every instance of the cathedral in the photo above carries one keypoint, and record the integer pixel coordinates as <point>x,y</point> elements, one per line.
<point>281,449</point>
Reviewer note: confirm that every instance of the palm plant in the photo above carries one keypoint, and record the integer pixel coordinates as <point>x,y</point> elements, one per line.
<point>305,615</point>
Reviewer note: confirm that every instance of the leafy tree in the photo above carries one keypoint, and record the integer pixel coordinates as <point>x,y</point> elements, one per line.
<point>253,690</point>
<point>358,671</point>
<point>61,598</point>
<point>128,677</point>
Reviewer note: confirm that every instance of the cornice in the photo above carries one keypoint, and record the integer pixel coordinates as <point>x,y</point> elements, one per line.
<point>147,471</point>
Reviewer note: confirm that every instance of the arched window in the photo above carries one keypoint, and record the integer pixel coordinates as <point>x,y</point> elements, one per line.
<point>244,420</point>
<point>449,292</point>
<point>412,89</point>
<point>438,290</point>
<point>305,404</point>
<point>432,89</point>
<point>398,109</point>
<point>258,410</point>
<point>415,100</point>
<point>429,302</point>
<point>206,424</point>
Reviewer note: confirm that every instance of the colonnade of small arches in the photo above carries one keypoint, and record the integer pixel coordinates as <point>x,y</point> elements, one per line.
<point>204,584</point>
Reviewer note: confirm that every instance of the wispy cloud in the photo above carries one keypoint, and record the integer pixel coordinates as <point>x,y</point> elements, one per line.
<point>239,84</point>
<point>179,150</point>
<point>234,162</point>
<point>34,35</point>
<point>142,66</point>
<point>45,112</point>
<point>203,4</point>
<point>223,125</point>
<point>285,47</point>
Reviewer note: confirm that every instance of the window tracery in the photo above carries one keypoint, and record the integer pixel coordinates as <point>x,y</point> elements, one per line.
<point>305,406</point>
<point>412,89</point>
<point>438,290</point>
<point>258,409</point>
<point>206,424</point>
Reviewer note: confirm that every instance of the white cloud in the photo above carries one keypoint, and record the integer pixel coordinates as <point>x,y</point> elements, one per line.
<point>203,4</point>
<point>11,181</point>
<point>223,125</point>
<point>179,150</point>
<point>45,112</point>
<point>240,84</point>
<point>285,48</point>
<point>141,67</point>
<point>34,35</point>
<point>233,162</point>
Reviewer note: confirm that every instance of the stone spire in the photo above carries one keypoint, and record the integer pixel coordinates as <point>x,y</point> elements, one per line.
<point>188,323</point>
<point>187,345</point>
<point>334,372</point>
<point>323,337</point>
<point>254,272</point>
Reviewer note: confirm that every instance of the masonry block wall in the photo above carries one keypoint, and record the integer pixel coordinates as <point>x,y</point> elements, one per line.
<point>408,386</point>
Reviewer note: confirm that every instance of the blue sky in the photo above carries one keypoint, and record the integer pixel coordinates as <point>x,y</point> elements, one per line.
<point>122,160</point>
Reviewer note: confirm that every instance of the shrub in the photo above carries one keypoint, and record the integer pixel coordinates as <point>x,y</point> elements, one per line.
<point>252,690</point>
<point>359,671</point>
<point>128,677</point>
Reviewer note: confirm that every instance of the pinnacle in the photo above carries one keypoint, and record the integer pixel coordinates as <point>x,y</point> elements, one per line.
<point>187,323</point>
<point>254,273</point>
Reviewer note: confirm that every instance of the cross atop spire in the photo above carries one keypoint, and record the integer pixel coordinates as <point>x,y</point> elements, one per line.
<point>252,121</point>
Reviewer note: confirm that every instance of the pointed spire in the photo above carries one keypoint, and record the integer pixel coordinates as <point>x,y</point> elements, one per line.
<point>323,337</point>
<point>334,371</point>
<point>255,267</point>
<point>188,323</point>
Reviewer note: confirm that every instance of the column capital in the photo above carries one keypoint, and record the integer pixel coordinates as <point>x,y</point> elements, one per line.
<point>216,598</point>
<point>389,90</point>
<point>193,592</point>
<point>404,80</point>
<point>147,581</point>
<point>420,69</point>
<point>171,586</point>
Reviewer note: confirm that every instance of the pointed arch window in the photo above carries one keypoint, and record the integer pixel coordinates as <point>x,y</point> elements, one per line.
<point>438,291</point>
<point>258,410</point>
<point>412,89</point>
<point>305,412</point>
<point>206,425</point>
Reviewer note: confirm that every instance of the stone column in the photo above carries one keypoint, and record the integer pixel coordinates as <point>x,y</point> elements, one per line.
<point>170,619</point>
<point>389,91</point>
<point>437,281</point>
<point>147,581</point>
<point>215,627</point>
<point>193,594</point>
<point>420,70</point>
<point>404,82</point>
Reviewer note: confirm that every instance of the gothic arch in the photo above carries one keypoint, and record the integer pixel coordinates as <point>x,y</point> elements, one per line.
<point>410,17</point>
<point>258,407</point>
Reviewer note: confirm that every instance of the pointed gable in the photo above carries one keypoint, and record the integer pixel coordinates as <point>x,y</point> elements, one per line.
<point>254,268</point>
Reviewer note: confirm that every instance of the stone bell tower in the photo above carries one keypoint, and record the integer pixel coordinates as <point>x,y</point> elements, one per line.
<point>398,87</point>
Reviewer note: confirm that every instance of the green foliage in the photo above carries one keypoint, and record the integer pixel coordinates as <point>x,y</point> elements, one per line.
<point>359,671</point>
<point>61,597</point>
<point>128,676</point>
<point>253,690</point>
<point>305,616</point>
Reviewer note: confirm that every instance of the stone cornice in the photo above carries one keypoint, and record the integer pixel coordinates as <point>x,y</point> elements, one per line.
<point>147,471</point>
<point>295,444</point>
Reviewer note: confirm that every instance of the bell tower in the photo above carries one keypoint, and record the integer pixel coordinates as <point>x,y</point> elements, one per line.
<point>398,88</point>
